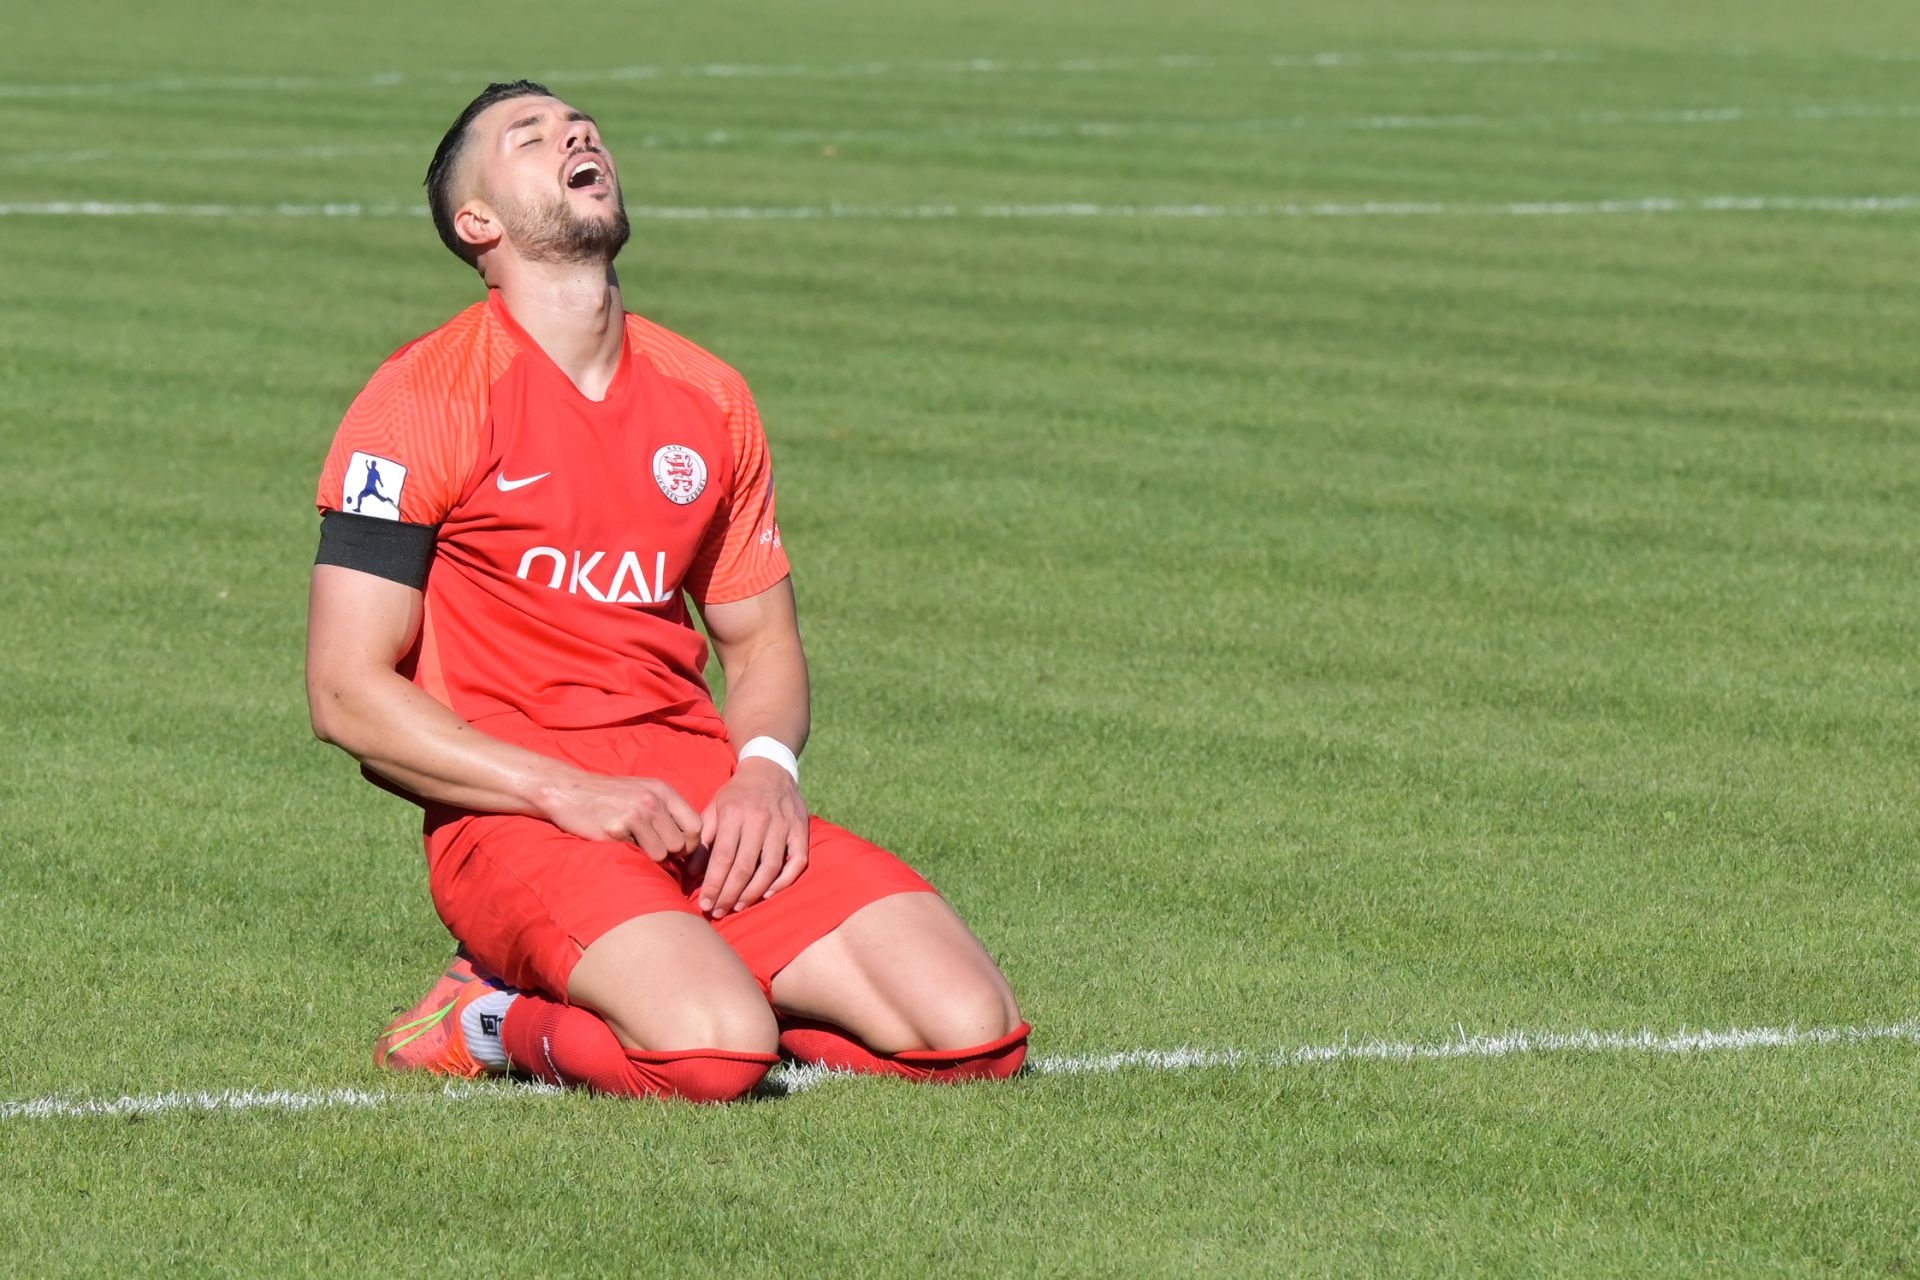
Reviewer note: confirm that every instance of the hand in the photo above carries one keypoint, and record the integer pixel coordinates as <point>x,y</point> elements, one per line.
<point>642,811</point>
<point>755,831</point>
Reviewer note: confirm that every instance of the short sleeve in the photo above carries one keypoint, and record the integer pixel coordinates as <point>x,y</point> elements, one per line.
<point>742,555</point>
<point>407,445</point>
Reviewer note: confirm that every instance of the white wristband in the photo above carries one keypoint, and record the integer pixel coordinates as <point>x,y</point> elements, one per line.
<point>765,748</point>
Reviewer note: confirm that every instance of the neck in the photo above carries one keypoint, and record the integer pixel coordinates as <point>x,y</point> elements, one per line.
<point>574,312</point>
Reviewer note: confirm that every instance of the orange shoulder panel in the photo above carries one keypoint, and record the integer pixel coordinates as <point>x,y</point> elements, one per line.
<point>677,357</point>
<point>411,438</point>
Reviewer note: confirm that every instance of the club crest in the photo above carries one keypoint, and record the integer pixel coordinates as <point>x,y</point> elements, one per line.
<point>680,472</point>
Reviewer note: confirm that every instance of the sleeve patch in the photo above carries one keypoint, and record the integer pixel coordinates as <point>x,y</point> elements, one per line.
<point>373,486</point>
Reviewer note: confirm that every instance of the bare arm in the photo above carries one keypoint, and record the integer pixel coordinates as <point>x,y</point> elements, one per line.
<point>358,628</point>
<point>758,643</point>
<point>756,826</point>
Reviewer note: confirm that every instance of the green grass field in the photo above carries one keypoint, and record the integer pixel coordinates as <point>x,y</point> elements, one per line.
<point>1291,620</point>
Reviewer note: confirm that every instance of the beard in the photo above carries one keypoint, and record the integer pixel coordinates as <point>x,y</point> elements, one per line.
<point>554,232</point>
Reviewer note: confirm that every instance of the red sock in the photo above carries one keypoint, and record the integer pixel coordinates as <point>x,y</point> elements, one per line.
<point>567,1045</point>
<point>829,1046</point>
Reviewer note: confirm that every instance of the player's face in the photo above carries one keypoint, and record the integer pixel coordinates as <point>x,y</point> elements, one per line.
<point>545,171</point>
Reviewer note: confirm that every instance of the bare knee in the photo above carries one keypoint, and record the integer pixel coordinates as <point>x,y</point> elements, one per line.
<point>736,1025</point>
<point>972,1011</point>
<point>696,1020</point>
<point>902,974</point>
<point>666,982</point>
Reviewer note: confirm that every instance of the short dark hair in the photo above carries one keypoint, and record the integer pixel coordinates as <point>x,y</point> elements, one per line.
<point>446,158</point>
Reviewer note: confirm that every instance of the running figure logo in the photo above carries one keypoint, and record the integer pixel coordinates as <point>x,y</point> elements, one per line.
<point>373,486</point>
<point>372,489</point>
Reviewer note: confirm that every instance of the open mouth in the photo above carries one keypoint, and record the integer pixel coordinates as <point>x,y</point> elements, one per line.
<point>585,172</point>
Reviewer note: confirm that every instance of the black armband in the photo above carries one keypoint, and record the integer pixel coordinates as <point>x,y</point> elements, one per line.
<point>387,549</point>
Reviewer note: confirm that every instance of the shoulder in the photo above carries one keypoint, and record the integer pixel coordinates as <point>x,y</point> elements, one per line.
<point>686,361</point>
<point>443,374</point>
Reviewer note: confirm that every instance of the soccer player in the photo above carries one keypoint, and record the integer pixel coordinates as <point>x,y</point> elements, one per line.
<point>642,904</point>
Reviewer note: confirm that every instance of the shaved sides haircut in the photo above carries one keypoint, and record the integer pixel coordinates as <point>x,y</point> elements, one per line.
<point>446,159</point>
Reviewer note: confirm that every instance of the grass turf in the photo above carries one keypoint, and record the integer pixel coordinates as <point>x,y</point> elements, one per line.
<point>1266,630</point>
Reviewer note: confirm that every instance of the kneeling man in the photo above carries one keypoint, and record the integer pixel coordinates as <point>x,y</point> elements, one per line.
<point>515,512</point>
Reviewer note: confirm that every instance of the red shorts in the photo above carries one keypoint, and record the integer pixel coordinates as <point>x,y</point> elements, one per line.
<point>525,898</point>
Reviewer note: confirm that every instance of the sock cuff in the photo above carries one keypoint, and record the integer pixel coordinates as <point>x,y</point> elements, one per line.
<point>933,1057</point>
<point>666,1057</point>
<point>698,1075</point>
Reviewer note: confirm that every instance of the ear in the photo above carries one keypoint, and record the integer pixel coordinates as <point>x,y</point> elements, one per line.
<point>476,223</point>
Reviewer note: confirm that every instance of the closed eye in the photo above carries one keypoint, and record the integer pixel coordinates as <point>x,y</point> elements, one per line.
<point>528,143</point>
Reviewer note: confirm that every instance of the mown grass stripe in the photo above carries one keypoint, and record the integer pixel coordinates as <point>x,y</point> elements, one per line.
<point>1615,207</point>
<point>713,139</point>
<point>1324,60</point>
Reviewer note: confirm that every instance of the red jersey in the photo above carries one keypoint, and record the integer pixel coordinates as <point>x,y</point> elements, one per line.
<point>569,532</point>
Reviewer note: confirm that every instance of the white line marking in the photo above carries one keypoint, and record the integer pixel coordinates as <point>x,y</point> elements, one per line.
<point>93,155</point>
<point>56,1107</point>
<point>709,139</point>
<point>1328,60</point>
<point>1637,205</point>
<point>798,1079</point>
<point>1429,57</point>
<point>1322,60</point>
<point>158,209</point>
<point>1499,1046</point>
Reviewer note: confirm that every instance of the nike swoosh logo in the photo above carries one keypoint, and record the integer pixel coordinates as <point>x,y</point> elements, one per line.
<point>508,486</point>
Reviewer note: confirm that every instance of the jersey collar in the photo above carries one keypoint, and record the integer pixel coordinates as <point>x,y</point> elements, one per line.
<point>617,391</point>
